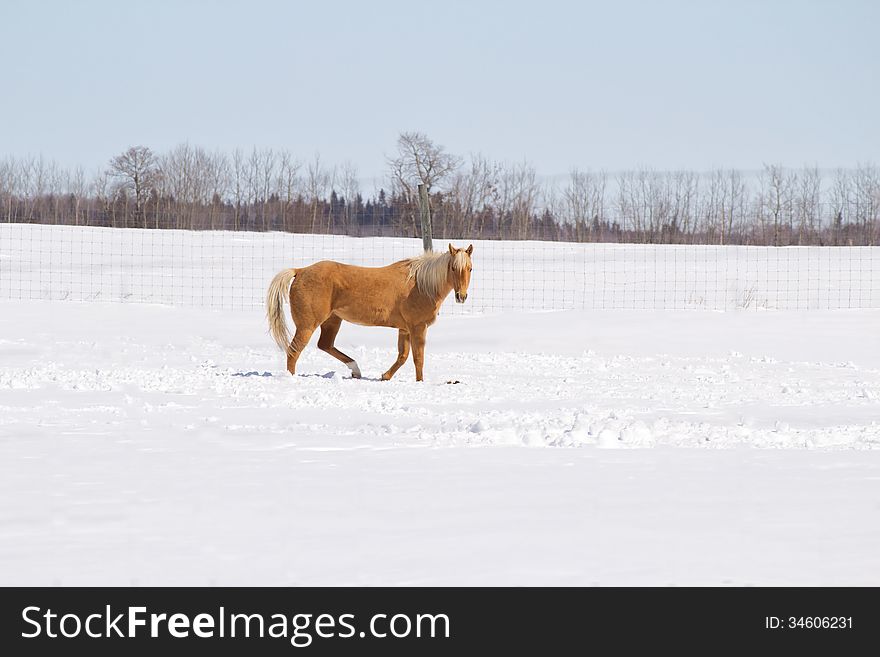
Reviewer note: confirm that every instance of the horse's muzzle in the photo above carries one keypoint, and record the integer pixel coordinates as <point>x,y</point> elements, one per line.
<point>460,298</point>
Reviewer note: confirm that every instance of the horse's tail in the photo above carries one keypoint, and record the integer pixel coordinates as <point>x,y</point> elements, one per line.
<point>279,288</point>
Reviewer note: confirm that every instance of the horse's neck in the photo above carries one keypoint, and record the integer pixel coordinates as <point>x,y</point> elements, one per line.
<point>444,292</point>
<point>440,297</point>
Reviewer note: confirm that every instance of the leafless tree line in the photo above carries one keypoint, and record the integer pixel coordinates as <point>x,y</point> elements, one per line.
<point>264,189</point>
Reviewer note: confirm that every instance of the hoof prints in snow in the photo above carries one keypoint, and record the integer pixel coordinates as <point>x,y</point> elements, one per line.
<point>503,399</point>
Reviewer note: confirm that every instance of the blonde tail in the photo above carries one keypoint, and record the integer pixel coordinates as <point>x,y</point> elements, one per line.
<point>279,288</point>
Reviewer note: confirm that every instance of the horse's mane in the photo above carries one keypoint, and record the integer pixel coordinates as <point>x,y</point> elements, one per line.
<point>429,270</point>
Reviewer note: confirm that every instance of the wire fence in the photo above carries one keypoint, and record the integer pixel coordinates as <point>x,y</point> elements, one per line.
<point>231,270</point>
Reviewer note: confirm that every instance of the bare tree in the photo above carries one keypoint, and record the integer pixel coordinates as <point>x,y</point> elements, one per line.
<point>685,194</point>
<point>775,200</point>
<point>216,176</point>
<point>583,202</point>
<point>76,185</point>
<point>136,170</point>
<point>807,203</point>
<point>627,210</point>
<point>101,187</point>
<point>8,185</point>
<point>288,184</point>
<point>643,203</point>
<point>318,182</point>
<point>733,204</point>
<point>419,161</point>
<point>517,198</point>
<point>866,193</point>
<point>260,175</point>
<point>472,196</point>
<point>239,189</point>
<point>33,184</point>
<point>350,188</point>
<point>840,204</point>
<point>711,204</point>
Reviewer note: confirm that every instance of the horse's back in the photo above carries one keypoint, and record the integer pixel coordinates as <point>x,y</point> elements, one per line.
<point>332,271</point>
<point>363,295</point>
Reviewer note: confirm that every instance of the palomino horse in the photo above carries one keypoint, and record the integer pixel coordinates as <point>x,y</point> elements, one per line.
<point>405,295</point>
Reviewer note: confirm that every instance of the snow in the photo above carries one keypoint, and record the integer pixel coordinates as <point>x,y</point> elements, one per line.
<point>162,442</point>
<point>146,444</point>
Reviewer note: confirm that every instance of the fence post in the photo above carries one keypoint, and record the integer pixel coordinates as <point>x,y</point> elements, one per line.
<point>425,213</point>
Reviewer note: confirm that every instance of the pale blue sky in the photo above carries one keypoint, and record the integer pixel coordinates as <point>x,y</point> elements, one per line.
<point>611,85</point>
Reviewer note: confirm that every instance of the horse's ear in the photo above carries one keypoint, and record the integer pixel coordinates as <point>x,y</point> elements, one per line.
<point>470,249</point>
<point>451,249</point>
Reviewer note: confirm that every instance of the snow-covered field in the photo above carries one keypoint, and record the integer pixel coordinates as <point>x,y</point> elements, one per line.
<point>158,445</point>
<point>150,444</point>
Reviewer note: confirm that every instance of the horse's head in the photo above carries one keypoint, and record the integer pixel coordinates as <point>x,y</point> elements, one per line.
<point>460,271</point>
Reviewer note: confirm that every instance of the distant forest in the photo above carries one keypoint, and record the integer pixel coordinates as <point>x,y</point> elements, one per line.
<point>272,190</point>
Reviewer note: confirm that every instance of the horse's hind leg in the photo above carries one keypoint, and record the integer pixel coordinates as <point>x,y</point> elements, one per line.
<point>299,342</point>
<point>418,333</point>
<point>329,329</point>
<point>402,354</point>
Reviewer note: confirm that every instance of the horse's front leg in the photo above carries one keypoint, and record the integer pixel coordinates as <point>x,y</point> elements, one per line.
<point>417,335</point>
<point>402,354</point>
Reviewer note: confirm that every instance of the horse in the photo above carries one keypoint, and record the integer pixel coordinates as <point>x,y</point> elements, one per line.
<point>405,295</point>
